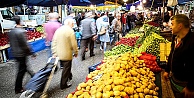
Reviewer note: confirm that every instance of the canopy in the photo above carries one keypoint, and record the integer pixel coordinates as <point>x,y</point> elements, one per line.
<point>47,3</point>
<point>9,3</point>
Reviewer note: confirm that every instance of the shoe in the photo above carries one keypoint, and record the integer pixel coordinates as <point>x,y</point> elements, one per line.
<point>92,55</point>
<point>19,91</point>
<point>83,58</point>
<point>61,67</point>
<point>69,82</point>
<point>101,48</point>
<point>65,87</point>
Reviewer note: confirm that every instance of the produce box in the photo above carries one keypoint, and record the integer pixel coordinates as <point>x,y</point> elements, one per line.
<point>93,67</point>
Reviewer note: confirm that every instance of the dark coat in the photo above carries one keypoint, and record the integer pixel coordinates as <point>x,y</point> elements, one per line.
<point>181,59</point>
<point>18,43</point>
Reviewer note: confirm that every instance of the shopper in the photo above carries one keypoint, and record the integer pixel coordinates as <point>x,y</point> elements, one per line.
<point>105,37</point>
<point>20,50</point>
<point>180,69</point>
<point>88,29</point>
<point>63,45</point>
<point>50,27</point>
<point>99,24</point>
<point>116,25</point>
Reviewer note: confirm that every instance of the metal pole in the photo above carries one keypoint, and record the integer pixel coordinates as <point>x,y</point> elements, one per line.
<point>163,11</point>
<point>115,6</point>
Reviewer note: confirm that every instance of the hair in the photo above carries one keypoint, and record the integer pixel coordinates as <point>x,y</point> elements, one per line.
<point>68,21</point>
<point>53,15</point>
<point>16,19</point>
<point>181,18</point>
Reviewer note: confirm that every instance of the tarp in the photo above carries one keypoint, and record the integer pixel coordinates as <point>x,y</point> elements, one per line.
<point>47,3</point>
<point>9,3</point>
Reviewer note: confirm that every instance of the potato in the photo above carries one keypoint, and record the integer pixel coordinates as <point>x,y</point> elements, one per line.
<point>123,94</point>
<point>117,93</point>
<point>151,92</point>
<point>74,96</point>
<point>136,96</point>
<point>78,92</point>
<point>141,95</point>
<point>155,93</point>
<point>83,84</point>
<point>106,95</point>
<point>98,95</point>
<point>146,91</point>
<point>70,96</point>
<point>139,90</point>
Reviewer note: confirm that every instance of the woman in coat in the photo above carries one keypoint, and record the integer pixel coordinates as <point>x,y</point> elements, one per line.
<point>105,37</point>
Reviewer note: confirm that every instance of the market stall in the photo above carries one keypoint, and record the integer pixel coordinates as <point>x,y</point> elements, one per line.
<point>130,69</point>
<point>35,38</point>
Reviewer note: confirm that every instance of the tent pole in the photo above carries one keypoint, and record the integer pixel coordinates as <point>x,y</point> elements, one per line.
<point>115,6</point>
<point>163,11</point>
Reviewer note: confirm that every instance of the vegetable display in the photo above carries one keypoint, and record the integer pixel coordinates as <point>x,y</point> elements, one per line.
<point>123,77</point>
<point>118,50</point>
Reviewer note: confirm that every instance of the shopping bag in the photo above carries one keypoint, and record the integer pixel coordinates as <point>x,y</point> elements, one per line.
<point>102,30</point>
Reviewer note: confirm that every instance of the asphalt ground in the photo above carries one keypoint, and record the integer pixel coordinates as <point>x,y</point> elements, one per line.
<point>79,69</point>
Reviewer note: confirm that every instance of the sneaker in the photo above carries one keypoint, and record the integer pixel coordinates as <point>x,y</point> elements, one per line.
<point>92,55</point>
<point>101,48</point>
<point>69,82</point>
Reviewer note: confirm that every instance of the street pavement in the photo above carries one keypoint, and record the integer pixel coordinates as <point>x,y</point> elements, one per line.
<point>79,69</point>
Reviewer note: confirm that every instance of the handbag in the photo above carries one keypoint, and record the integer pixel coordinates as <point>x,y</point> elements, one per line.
<point>102,30</point>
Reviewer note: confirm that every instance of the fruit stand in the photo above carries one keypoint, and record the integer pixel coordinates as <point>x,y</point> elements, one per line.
<point>128,70</point>
<point>35,37</point>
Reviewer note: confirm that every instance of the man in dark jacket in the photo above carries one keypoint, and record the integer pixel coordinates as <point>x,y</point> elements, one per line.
<point>180,67</point>
<point>20,50</point>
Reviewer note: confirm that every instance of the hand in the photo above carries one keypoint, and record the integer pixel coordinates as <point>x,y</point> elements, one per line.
<point>95,37</point>
<point>33,56</point>
<point>47,43</point>
<point>74,55</point>
<point>188,93</point>
<point>54,56</point>
<point>166,75</point>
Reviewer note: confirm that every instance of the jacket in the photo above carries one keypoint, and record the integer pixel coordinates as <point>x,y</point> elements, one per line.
<point>18,43</point>
<point>88,28</point>
<point>180,60</point>
<point>64,43</point>
<point>116,25</point>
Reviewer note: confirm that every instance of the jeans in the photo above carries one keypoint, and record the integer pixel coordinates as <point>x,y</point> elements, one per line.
<point>112,38</point>
<point>104,45</point>
<point>49,52</point>
<point>79,43</point>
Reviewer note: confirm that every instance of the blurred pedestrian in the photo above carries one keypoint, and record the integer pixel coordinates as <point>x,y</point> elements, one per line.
<point>20,49</point>
<point>88,29</point>
<point>63,45</point>
<point>78,38</point>
<point>50,27</point>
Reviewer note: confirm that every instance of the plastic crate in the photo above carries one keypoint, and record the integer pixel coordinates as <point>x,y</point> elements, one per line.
<point>93,67</point>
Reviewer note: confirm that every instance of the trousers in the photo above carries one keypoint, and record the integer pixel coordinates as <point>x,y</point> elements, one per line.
<point>84,44</point>
<point>21,72</point>
<point>66,73</point>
